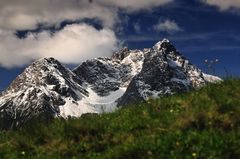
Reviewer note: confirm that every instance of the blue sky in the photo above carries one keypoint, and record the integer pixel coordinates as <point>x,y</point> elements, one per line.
<point>200,29</point>
<point>207,33</point>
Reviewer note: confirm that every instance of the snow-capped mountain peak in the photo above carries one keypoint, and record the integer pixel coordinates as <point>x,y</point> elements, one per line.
<point>159,45</point>
<point>40,89</point>
<point>48,89</point>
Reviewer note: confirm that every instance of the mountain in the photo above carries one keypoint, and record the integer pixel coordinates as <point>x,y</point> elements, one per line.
<point>48,89</point>
<point>39,90</point>
<point>164,72</point>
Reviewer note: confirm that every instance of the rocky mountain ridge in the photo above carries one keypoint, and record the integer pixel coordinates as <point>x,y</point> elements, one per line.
<point>46,88</point>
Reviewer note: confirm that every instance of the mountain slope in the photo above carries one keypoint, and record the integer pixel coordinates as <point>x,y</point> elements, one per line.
<point>49,89</point>
<point>40,89</point>
<point>165,71</point>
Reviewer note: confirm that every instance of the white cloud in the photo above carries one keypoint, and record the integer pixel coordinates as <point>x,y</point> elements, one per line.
<point>73,44</point>
<point>26,14</point>
<point>167,26</point>
<point>224,4</point>
<point>134,5</point>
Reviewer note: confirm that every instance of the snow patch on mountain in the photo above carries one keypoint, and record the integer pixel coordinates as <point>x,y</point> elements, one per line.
<point>91,104</point>
<point>175,64</point>
<point>211,78</point>
<point>135,60</point>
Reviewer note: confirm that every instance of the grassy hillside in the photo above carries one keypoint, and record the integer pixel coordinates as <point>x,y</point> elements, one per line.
<point>200,124</point>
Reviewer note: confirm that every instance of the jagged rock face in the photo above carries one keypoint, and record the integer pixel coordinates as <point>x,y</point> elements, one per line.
<point>165,71</point>
<point>106,75</point>
<point>49,89</point>
<point>40,89</point>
